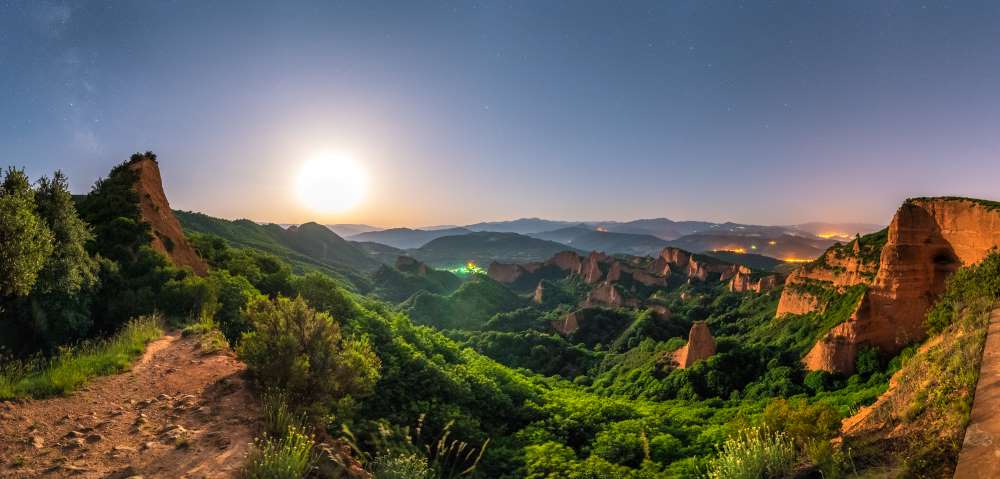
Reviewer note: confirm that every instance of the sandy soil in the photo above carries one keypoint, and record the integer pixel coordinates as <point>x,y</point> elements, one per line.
<point>178,413</point>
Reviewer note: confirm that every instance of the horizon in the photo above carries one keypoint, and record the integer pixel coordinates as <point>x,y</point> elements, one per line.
<point>458,113</point>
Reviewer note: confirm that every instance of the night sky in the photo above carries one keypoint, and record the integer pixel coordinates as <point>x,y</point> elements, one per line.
<point>761,112</point>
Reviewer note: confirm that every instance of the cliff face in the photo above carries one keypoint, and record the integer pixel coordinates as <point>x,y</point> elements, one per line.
<point>928,239</point>
<point>505,273</point>
<point>837,269</point>
<point>168,236</point>
<point>743,280</point>
<point>700,345</point>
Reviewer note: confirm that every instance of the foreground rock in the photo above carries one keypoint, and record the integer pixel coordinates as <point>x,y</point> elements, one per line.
<point>928,239</point>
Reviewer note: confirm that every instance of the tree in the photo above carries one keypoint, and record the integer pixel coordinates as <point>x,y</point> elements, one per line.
<point>69,269</point>
<point>112,208</point>
<point>25,240</point>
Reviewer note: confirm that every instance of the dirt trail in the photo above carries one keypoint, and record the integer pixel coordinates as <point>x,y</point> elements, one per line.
<point>178,413</point>
<point>980,456</point>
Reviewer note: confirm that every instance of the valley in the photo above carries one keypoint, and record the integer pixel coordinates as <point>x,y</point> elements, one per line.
<point>545,359</point>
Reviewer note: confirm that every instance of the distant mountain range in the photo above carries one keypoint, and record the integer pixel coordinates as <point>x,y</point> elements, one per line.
<point>314,246</point>
<point>639,237</point>
<point>406,238</point>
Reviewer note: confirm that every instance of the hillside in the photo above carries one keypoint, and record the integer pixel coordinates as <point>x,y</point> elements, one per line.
<point>406,238</point>
<point>484,247</point>
<point>590,239</point>
<point>384,254</point>
<point>781,246</point>
<point>310,247</point>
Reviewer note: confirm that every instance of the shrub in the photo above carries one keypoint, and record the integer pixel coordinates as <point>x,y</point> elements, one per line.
<point>401,466</point>
<point>754,453</point>
<point>301,351</point>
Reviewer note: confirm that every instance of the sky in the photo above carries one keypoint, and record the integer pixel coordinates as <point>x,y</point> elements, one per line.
<point>755,112</point>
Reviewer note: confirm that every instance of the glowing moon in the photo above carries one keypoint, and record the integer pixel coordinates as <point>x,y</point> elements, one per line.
<point>331,184</point>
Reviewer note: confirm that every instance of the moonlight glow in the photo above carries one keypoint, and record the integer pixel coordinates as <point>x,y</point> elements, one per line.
<point>331,184</point>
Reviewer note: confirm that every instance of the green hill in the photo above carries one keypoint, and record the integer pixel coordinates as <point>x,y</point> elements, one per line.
<point>589,239</point>
<point>307,247</point>
<point>485,247</point>
<point>469,307</point>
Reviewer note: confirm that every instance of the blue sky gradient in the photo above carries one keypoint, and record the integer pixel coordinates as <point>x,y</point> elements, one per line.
<point>756,112</point>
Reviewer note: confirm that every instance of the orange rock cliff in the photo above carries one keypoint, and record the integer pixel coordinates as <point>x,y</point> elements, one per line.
<point>928,239</point>
<point>700,345</point>
<point>168,236</point>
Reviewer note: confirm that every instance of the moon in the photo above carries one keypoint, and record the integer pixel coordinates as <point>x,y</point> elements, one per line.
<point>331,183</point>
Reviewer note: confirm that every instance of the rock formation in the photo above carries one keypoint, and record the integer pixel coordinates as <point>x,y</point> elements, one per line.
<point>568,324</point>
<point>928,239</point>
<point>700,345</point>
<point>168,236</point>
<point>618,270</point>
<point>505,273</point>
<point>743,280</point>
<point>567,261</point>
<point>838,268</point>
<point>411,265</point>
<point>539,296</point>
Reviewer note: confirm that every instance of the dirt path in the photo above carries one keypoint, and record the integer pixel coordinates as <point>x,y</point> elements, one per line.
<point>980,456</point>
<point>177,413</point>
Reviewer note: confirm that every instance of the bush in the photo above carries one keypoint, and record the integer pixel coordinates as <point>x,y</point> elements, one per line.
<point>401,466</point>
<point>754,453</point>
<point>301,351</point>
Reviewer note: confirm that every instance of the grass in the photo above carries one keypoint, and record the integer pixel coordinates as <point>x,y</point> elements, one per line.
<point>287,457</point>
<point>73,367</point>
<point>210,339</point>
<point>754,453</point>
<point>286,449</point>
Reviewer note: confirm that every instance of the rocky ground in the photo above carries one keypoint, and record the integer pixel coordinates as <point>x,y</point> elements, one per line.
<point>180,412</point>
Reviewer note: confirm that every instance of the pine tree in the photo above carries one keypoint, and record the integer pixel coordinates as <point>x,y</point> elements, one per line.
<point>69,269</point>
<point>25,241</point>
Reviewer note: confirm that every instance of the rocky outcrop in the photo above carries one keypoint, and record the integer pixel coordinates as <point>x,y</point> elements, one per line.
<point>168,236</point>
<point>698,268</point>
<point>567,261</point>
<point>619,271</point>
<point>411,265</point>
<point>591,270</point>
<point>539,296</point>
<point>839,268</point>
<point>928,239</point>
<point>568,324</point>
<point>744,280</point>
<point>700,345</point>
<point>504,272</point>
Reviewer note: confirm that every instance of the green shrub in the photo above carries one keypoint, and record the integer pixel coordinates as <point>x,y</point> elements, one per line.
<point>754,453</point>
<point>401,466</point>
<point>210,339</point>
<point>301,351</point>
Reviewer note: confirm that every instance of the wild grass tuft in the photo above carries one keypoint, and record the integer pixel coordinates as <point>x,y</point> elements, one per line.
<point>289,456</point>
<point>209,336</point>
<point>401,466</point>
<point>754,453</point>
<point>72,367</point>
